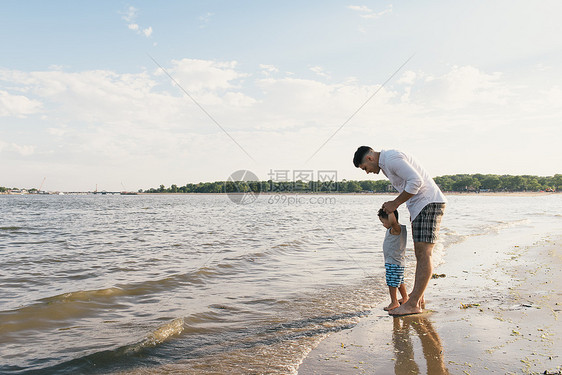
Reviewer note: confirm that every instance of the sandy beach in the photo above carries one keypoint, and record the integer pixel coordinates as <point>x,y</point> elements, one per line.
<point>495,309</point>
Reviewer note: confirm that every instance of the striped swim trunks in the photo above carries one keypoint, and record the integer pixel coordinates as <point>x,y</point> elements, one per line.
<point>425,227</point>
<point>394,275</point>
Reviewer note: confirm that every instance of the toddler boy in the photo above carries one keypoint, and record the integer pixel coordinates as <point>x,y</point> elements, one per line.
<point>394,250</point>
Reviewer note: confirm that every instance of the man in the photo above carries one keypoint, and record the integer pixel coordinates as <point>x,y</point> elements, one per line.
<point>426,204</point>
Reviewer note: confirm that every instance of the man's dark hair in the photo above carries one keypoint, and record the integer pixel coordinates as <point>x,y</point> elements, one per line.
<point>384,215</point>
<point>360,154</point>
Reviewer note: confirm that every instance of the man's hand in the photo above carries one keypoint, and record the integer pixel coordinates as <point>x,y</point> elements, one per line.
<point>390,206</point>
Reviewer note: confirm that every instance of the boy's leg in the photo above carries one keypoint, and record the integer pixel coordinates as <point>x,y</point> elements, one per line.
<point>393,279</point>
<point>403,293</point>
<point>392,290</point>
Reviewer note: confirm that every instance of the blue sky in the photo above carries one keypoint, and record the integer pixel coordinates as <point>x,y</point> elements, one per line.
<point>82,103</point>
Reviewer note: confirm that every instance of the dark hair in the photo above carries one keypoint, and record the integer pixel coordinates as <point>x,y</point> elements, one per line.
<point>384,215</point>
<point>360,154</point>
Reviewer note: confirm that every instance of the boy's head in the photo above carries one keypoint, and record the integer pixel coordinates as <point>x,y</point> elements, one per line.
<point>383,216</point>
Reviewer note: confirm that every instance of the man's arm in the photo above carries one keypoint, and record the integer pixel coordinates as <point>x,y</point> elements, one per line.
<point>392,206</point>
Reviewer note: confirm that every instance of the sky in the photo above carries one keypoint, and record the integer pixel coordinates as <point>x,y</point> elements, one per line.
<point>131,95</point>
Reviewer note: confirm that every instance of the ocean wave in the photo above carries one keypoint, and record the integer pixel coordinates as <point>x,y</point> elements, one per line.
<point>105,361</point>
<point>274,345</point>
<point>291,243</point>
<point>235,332</point>
<point>450,236</point>
<point>164,332</point>
<point>86,295</point>
<point>54,311</point>
<point>203,343</point>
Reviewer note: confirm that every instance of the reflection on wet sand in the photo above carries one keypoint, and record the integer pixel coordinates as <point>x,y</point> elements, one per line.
<point>404,350</point>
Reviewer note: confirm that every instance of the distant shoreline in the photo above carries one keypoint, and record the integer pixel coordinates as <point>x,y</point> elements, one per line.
<point>452,193</point>
<point>497,194</point>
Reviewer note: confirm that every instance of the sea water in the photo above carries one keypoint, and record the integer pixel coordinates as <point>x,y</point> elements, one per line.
<point>199,284</point>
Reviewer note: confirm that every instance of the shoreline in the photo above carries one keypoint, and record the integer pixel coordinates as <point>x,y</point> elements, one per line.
<point>496,310</point>
<point>492,194</point>
<point>452,193</point>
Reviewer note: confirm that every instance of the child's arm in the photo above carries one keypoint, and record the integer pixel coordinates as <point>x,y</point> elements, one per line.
<point>394,225</point>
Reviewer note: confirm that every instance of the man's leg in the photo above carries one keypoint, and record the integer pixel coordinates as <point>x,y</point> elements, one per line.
<point>424,269</point>
<point>425,228</point>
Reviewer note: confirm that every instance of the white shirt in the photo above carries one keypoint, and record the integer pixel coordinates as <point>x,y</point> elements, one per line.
<point>406,174</point>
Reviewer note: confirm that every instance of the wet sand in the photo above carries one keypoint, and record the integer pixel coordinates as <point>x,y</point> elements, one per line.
<point>496,310</point>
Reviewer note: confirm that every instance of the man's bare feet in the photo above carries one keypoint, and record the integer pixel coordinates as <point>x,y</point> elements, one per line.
<point>392,306</point>
<point>406,309</point>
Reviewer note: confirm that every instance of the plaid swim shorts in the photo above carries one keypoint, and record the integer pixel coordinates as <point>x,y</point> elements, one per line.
<point>425,227</point>
<point>394,275</point>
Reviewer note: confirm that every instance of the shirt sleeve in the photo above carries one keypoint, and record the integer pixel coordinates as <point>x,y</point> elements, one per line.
<point>403,169</point>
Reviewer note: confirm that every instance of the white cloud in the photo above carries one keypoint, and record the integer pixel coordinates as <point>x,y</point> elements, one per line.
<point>292,103</point>
<point>17,105</point>
<point>542,67</point>
<point>24,150</point>
<point>56,67</point>
<point>147,32</point>
<point>205,19</point>
<point>204,75</point>
<point>268,69</point>
<point>368,13</point>
<point>463,86</point>
<point>130,16</point>
<point>105,122</point>
<point>320,71</point>
<point>408,77</point>
<point>548,101</point>
<point>59,132</point>
<point>115,118</point>
<point>360,8</point>
<point>100,97</point>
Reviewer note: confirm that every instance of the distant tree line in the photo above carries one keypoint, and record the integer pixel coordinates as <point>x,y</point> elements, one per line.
<point>245,186</point>
<point>492,182</point>
<point>456,183</point>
